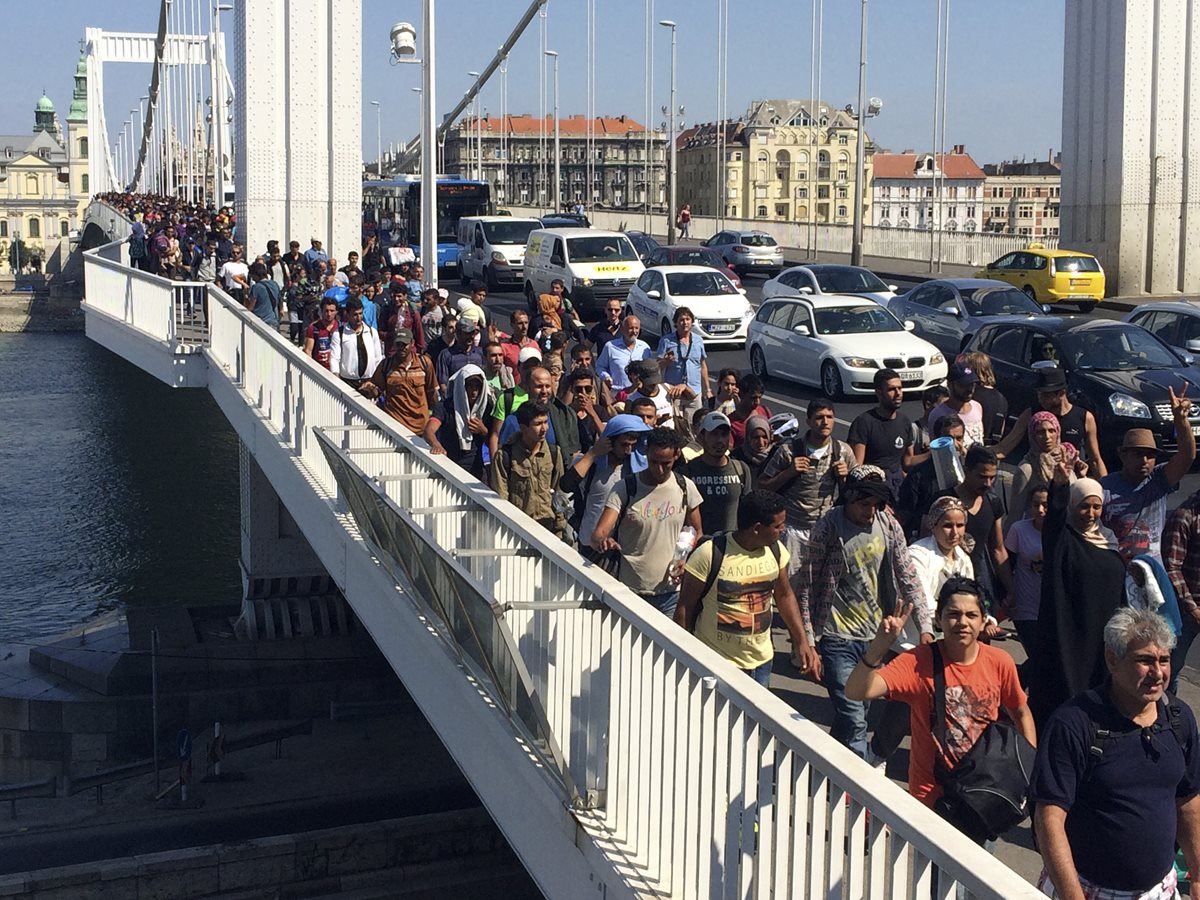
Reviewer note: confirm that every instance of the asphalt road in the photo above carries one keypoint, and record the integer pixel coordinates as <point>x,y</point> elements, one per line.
<point>784,396</point>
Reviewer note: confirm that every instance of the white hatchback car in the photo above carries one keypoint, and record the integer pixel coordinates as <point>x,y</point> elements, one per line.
<point>827,278</point>
<point>721,309</point>
<point>838,343</point>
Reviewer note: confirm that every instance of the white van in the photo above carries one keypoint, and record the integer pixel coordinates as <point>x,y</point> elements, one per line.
<point>491,249</point>
<point>593,265</point>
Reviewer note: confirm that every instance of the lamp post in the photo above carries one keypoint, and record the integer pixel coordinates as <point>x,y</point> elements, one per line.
<point>557,149</point>
<point>219,103</point>
<point>378,138</point>
<point>475,136</point>
<point>404,48</point>
<point>667,23</point>
<point>865,111</point>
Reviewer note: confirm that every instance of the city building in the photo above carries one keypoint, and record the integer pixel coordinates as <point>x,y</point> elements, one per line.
<point>1023,197</point>
<point>43,178</point>
<point>787,160</point>
<point>927,190</point>
<point>520,166</point>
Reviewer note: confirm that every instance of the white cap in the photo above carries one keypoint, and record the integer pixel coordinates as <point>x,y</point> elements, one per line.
<point>528,353</point>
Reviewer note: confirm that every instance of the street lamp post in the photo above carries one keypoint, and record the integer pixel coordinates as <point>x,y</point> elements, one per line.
<point>475,136</point>
<point>667,23</point>
<point>856,248</point>
<point>557,148</point>
<point>404,47</point>
<point>378,138</point>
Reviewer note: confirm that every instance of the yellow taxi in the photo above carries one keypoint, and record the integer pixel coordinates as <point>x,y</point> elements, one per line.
<point>1051,276</point>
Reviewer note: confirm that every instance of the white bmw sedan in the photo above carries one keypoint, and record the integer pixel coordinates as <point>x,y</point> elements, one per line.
<point>722,311</point>
<point>838,343</point>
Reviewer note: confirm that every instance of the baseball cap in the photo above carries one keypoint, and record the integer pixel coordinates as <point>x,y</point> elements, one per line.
<point>962,374</point>
<point>528,353</point>
<point>402,336</point>
<point>647,372</point>
<point>714,420</point>
<point>467,326</point>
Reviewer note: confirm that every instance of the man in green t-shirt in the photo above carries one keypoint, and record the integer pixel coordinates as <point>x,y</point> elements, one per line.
<point>733,615</point>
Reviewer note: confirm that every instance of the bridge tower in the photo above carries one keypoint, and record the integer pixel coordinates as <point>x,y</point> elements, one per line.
<point>297,115</point>
<point>1131,126</point>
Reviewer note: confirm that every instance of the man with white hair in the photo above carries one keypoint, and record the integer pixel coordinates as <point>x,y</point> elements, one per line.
<point>1117,775</point>
<point>618,353</point>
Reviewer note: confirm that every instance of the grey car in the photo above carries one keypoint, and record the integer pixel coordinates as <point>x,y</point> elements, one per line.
<point>949,311</point>
<point>748,251</point>
<point>1174,322</point>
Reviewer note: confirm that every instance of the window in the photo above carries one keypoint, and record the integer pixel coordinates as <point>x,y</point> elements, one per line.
<point>781,210</point>
<point>842,193</point>
<point>998,212</point>
<point>885,211</point>
<point>780,315</point>
<point>64,228</point>
<point>4,228</point>
<point>737,156</point>
<point>970,212</point>
<point>83,183</point>
<point>1020,191</point>
<point>801,193</point>
<point>952,212</point>
<point>83,148</point>
<point>761,212</point>
<point>31,185</point>
<point>843,139</point>
<point>1025,212</point>
<point>35,228</point>
<point>904,212</point>
<point>997,192</point>
<point>841,211</point>
<point>843,174</point>
<point>1006,345</point>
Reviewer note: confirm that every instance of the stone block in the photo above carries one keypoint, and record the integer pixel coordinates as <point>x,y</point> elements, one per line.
<point>44,745</point>
<point>356,854</point>
<point>89,717</point>
<point>45,715</point>
<point>14,713</point>
<point>271,867</point>
<point>180,883</point>
<point>89,747</point>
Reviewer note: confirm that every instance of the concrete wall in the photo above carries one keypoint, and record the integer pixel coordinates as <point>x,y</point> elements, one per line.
<point>298,122</point>
<point>459,854</point>
<point>1131,117</point>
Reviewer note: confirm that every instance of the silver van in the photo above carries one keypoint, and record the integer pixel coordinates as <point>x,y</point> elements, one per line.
<point>491,249</point>
<point>594,266</point>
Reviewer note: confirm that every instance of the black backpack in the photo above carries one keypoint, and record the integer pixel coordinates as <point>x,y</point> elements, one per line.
<point>720,542</point>
<point>987,791</point>
<point>1100,738</point>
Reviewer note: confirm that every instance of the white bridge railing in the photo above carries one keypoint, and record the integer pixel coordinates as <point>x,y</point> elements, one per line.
<point>693,780</point>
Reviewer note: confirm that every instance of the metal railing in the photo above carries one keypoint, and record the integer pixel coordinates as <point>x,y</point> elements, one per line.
<point>693,780</point>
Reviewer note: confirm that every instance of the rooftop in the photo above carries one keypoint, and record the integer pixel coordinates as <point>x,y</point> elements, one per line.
<point>571,126</point>
<point>958,164</point>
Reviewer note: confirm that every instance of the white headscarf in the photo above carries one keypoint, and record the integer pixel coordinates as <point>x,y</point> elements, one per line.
<point>462,411</point>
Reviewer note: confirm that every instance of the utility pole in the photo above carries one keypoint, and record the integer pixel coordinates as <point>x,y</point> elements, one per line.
<point>667,23</point>
<point>856,245</point>
<point>557,149</point>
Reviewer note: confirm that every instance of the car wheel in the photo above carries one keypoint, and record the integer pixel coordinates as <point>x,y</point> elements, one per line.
<point>664,327</point>
<point>758,363</point>
<point>1086,306</point>
<point>831,380</point>
<point>489,276</point>
<point>1028,289</point>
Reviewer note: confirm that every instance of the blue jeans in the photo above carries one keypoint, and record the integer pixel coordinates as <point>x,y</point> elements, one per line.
<point>761,674</point>
<point>664,603</point>
<point>838,659</point>
<point>1182,646</point>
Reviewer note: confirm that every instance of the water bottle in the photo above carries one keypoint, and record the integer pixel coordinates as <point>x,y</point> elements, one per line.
<point>683,547</point>
<point>946,462</point>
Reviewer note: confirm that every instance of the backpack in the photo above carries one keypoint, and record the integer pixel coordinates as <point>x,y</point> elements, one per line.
<point>137,246</point>
<point>1099,738</point>
<point>611,561</point>
<point>987,791</point>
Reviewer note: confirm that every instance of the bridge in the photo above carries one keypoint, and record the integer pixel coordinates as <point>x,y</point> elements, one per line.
<point>619,755</point>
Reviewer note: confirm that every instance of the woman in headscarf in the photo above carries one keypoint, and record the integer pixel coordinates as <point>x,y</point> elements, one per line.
<point>756,448</point>
<point>945,553</point>
<point>1083,583</point>
<point>1046,451</point>
<point>458,426</point>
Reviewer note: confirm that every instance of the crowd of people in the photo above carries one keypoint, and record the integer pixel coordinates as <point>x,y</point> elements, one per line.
<point>892,558</point>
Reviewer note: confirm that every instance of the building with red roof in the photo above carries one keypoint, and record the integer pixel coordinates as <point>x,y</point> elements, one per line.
<point>923,190</point>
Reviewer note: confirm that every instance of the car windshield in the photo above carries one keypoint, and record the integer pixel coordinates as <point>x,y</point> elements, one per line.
<point>696,258</point>
<point>515,232</point>
<point>756,240</point>
<point>698,284</point>
<point>989,301</point>
<point>1117,348</point>
<point>1076,264</point>
<point>847,280</point>
<point>601,249</point>
<point>855,320</point>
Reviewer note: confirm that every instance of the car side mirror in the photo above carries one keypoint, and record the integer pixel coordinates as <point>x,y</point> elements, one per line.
<point>991,266</point>
<point>801,330</point>
<point>654,295</point>
<point>892,288</point>
<point>952,310</point>
<point>742,291</point>
<point>805,290</point>
<point>1187,358</point>
<point>909,325</point>
<point>1046,308</point>
<point>1192,346</point>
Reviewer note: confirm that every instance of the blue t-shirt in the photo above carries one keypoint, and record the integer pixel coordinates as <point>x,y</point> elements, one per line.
<point>265,295</point>
<point>1121,820</point>
<point>685,368</point>
<point>1137,513</point>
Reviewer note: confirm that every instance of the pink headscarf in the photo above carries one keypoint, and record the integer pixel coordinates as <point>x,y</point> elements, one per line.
<point>1043,463</point>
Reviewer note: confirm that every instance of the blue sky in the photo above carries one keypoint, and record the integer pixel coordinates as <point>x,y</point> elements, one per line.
<point>1004,101</point>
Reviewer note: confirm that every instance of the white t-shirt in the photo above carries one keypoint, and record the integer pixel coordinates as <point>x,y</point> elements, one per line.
<point>232,269</point>
<point>662,405</point>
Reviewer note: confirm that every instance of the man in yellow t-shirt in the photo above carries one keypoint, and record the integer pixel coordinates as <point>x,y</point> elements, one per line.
<point>732,611</point>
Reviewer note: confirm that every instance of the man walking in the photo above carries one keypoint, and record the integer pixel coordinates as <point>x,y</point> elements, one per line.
<point>1117,775</point>
<point>883,436</point>
<point>462,352</point>
<point>961,381</point>
<point>619,353</point>
<point>355,352</point>
<point>318,339</point>
<point>527,470</point>
<point>606,329</point>
<point>1181,556</point>
<point>721,481</point>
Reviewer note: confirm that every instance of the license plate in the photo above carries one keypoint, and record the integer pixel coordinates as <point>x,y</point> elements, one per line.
<point>1076,282</point>
<point>722,329</point>
<point>762,262</point>
<point>1196,430</point>
<point>912,376</point>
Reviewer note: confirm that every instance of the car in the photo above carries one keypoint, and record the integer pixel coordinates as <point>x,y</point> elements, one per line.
<point>691,255</point>
<point>1118,370</point>
<point>822,278</point>
<point>948,311</point>
<point>643,243</point>
<point>748,251</point>
<point>721,309</point>
<point>1051,276</point>
<point>1175,322</point>
<point>594,266</point>
<point>838,343</point>
<point>566,220</point>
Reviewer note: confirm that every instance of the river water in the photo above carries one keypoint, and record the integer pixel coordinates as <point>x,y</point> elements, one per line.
<point>116,489</point>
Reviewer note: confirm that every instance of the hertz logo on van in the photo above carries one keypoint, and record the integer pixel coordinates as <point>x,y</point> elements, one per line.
<point>612,268</point>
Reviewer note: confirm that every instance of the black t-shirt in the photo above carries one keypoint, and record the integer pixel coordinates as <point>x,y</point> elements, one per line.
<point>722,488</point>
<point>885,439</point>
<point>598,336</point>
<point>995,411</point>
<point>1121,819</point>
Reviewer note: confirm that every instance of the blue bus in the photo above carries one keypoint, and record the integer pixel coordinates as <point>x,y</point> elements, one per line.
<point>392,210</point>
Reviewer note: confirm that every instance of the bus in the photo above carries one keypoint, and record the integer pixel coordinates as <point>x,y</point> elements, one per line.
<point>392,210</point>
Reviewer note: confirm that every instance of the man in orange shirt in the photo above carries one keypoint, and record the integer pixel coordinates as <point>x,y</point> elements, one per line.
<point>406,382</point>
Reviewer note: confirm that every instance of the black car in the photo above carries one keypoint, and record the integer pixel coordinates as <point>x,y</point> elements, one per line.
<point>691,255</point>
<point>566,220</point>
<point>1121,372</point>
<point>643,243</point>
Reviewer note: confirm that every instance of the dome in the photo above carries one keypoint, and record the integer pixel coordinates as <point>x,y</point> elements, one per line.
<point>45,105</point>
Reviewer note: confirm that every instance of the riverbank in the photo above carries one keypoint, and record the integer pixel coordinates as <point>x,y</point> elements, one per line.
<point>39,311</point>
